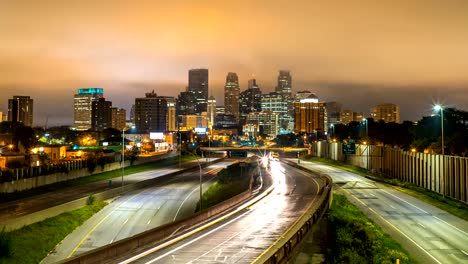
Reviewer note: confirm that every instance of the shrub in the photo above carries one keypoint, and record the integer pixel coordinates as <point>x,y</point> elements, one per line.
<point>91,199</point>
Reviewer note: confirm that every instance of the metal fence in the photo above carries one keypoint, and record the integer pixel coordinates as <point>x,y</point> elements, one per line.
<point>446,175</point>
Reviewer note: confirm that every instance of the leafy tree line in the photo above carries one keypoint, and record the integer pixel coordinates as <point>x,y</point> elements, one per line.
<point>422,135</point>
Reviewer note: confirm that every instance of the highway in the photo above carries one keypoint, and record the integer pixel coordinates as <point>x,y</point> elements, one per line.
<point>428,233</point>
<point>244,236</point>
<point>138,211</point>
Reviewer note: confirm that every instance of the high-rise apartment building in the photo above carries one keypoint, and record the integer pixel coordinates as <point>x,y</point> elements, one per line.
<point>101,114</point>
<point>150,113</point>
<point>20,109</point>
<point>211,111</point>
<point>198,85</point>
<point>309,115</point>
<point>119,118</point>
<point>83,104</point>
<point>386,112</point>
<point>231,94</point>
<point>347,116</point>
<point>250,100</point>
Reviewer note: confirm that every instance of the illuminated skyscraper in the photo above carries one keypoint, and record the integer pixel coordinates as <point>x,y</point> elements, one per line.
<point>309,115</point>
<point>250,100</point>
<point>83,104</point>
<point>211,111</point>
<point>198,85</point>
<point>20,109</point>
<point>284,86</point>
<point>231,94</point>
<point>171,115</point>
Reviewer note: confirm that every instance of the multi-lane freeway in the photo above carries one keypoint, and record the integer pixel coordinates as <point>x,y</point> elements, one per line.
<point>430,234</point>
<point>245,235</point>
<point>138,211</point>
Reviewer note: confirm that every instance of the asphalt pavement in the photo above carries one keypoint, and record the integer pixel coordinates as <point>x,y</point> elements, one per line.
<point>138,211</point>
<point>247,234</point>
<point>430,234</point>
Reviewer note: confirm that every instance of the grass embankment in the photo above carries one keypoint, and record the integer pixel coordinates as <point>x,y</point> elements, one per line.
<point>230,182</point>
<point>451,206</point>
<point>354,238</point>
<point>5,197</point>
<point>32,243</point>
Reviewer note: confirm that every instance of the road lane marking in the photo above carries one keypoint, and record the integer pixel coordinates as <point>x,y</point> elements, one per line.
<point>297,220</point>
<point>186,198</point>
<point>126,221</point>
<point>426,212</point>
<point>396,228</point>
<point>464,252</point>
<point>100,222</point>
<point>149,221</point>
<point>245,206</point>
<point>87,235</point>
<point>178,239</point>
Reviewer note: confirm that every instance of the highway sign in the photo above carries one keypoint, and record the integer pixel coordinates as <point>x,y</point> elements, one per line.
<point>349,147</point>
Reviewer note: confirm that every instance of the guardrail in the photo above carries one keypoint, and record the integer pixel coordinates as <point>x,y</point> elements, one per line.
<point>281,251</point>
<point>158,235</point>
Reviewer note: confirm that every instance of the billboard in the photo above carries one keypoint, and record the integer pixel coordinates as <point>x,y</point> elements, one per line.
<point>201,130</point>
<point>156,135</point>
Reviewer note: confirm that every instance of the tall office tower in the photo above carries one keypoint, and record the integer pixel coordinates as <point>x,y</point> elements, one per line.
<point>20,109</point>
<point>101,114</point>
<point>83,103</point>
<point>309,115</point>
<point>1,117</point>
<point>119,118</point>
<point>231,94</point>
<point>386,112</point>
<point>250,100</point>
<point>333,112</point>
<point>150,113</point>
<point>185,104</point>
<point>284,86</point>
<point>211,111</point>
<point>132,114</point>
<point>275,103</point>
<point>198,85</point>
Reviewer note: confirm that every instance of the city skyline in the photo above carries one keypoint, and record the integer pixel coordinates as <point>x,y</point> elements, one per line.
<point>359,53</point>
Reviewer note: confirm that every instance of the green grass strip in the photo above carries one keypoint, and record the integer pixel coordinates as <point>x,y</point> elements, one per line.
<point>5,197</point>
<point>453,207</point>
<point>32,243</point>
<point>354,238</point>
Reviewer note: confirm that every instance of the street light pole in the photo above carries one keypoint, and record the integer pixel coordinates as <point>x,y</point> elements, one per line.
<point>441,109</point>
<point>201,190</point>
<point>123,157</point>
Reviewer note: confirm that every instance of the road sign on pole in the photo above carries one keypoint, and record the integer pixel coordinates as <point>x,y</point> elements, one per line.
<point>349,147</point>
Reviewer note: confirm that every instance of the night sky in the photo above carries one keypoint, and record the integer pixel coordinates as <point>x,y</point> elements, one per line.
<point>358,52</point>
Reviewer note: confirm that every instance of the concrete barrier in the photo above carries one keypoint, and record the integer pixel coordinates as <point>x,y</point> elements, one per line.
<point>157,235</point>
<point>282,250</point>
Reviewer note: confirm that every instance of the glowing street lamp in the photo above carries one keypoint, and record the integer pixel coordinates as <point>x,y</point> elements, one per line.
<point>437,108</point>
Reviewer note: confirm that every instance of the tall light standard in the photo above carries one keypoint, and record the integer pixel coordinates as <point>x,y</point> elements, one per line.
<point>438,107</point>
<point>367,126</point>
<point>123,157</point>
